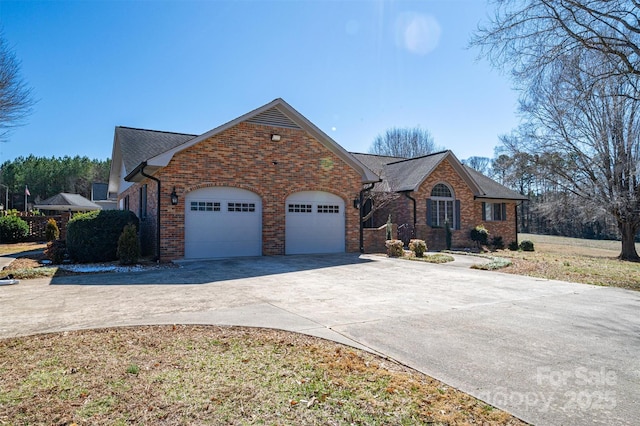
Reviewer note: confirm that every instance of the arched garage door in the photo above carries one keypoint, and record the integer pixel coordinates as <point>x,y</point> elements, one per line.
<point>314,223</point>
<point>222,222</point>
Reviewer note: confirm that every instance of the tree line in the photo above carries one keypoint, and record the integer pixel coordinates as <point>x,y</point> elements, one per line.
<point>45,177</point>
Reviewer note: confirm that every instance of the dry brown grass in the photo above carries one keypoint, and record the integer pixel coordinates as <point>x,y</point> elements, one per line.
<point>16,248</point>
<point>217,375</point>
<point>577,260</point>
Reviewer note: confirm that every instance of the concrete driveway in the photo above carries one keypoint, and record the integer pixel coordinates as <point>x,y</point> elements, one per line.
<point>549,352</point>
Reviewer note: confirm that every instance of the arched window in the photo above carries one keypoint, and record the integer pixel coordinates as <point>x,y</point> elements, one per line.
<point>441,207</point>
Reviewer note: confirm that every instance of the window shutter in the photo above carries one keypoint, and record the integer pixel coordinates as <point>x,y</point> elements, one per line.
<point>457,214</point>
<point>429,207</point>
<point>504,211</point>
<point>484,211</point>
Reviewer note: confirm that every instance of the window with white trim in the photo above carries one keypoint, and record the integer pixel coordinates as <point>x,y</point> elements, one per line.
<point>495,211</point>
<point>442,206</point>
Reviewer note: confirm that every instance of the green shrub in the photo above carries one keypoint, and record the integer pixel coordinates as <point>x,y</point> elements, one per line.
<point>51,230</point>
<point>513,246</point>
<point>395,248</point>
<point>497,243</point>
<point>526,245</point>
<point>480,235</point>
<point>129,245</point>
<point>56,251</point>
<point>419,247</point>
<point>13,229</point>
<point>93,236</point>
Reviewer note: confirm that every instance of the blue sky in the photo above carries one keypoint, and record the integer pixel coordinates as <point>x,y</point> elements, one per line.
<point>354,68</point>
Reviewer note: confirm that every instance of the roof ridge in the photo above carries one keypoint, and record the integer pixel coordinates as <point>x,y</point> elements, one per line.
<point>156,131</point>
<point>422,156</point>
<point>374,155</point>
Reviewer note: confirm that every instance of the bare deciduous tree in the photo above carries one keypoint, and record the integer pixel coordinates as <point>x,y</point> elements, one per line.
<point>15,95</point>
<point>584,135</point>
<point>404,142</point>
<point>479,164</point>
<point>526,36</point>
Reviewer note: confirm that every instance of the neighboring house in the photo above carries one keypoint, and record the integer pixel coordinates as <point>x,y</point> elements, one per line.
<point>435,189</point>
<point>65,202</point>
<point>100,196</point>
<point>267,183</point>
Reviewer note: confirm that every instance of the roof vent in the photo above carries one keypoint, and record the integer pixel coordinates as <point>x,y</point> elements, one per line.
<point>273,117</point>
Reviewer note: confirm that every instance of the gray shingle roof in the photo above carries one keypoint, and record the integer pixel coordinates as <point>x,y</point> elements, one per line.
<point>374,162</point>
<point>493,189</point>
<point>400,174</point>
<point>407,175</point>
<point>138,145</point>
<point>65,201</point>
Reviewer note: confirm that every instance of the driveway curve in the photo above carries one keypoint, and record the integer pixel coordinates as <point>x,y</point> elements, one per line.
<point>550,352</point>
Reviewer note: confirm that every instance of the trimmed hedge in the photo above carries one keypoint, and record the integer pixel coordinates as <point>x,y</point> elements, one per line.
<point>13,229</point>
<point>93,236</point>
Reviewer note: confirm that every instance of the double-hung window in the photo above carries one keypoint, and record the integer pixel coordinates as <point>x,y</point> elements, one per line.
<point>494,211</point>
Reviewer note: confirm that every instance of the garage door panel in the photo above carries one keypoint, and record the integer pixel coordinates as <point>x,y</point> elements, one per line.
<point>223,222</point>
<point>314,223</point>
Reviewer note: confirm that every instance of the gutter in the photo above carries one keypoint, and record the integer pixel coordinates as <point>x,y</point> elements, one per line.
<point>141,169</point>
<point>361,201</point>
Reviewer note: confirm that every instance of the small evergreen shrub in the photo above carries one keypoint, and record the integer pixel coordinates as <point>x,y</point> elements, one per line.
<point>395,248</point>
<point>13,229</point>
<point>56,251</point>
<point>480,235</point>
<point>526,245</point>
<point>513,246</point>
<point>51,231</point>
<point>129,245</point>
<point>93,236</point>
<point>419,247</point>
<point>497,243</point>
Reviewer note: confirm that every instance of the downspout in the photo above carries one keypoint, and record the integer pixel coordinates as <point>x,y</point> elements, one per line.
<point>516,218</point>
<point>361,207</point>
<point>406,194</point>
<point>143,165</point>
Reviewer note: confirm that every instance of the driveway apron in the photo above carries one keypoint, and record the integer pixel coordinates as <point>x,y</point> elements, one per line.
<point>550,352</point>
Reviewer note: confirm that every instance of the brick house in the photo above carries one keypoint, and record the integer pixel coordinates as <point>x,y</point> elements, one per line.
<point>437,188</point>
<point>271,183</point>
<point>267,183</point>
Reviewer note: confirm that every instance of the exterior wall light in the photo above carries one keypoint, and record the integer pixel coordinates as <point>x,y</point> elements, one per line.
<point>275,138</point>
<point>174,197</point>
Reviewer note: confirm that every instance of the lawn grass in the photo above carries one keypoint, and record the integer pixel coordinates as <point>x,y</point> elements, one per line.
<point>218,375</point>
<point>17,248</point>
<point>573,259</point>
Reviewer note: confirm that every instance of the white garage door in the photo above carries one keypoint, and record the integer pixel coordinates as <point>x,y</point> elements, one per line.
<point>314,223</point>
<point>222,222</point>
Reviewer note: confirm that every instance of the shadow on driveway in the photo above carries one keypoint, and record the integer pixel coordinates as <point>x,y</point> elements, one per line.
<point>208,271</point>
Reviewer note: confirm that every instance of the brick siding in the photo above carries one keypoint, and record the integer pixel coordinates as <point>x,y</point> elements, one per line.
<point>470,212</point>
<point>245,157</point>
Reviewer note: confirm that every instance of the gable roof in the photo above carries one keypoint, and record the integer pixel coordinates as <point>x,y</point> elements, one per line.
<point>401,175</point>
<point>132,146</point>
<point>153,150</point>
<point>493,189</point>
<point>65,201</point>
